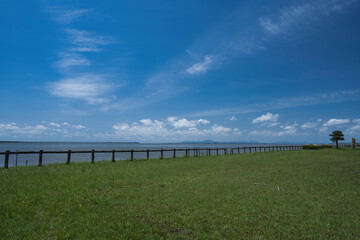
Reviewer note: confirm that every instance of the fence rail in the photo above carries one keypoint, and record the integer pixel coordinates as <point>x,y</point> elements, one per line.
<point>195,152</point>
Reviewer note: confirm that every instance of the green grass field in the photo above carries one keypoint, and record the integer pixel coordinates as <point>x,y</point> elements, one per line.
<point>187,198</point>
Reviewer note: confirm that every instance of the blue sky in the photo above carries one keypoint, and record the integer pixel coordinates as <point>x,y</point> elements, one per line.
<point>172,71</point>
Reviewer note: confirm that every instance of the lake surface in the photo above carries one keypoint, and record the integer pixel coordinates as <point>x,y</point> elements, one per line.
<point>32,159</point>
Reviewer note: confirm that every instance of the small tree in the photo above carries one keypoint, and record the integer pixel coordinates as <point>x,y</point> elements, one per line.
<point>337,136</point>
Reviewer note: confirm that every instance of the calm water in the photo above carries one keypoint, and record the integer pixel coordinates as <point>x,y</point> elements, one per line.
<point>32,159</point>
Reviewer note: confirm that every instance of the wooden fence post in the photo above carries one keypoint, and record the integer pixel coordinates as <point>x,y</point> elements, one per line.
<point>6,160</point>
<point>174,154</point>
<point>113,155</point>
<point>147,154</point>
<point>93,156</point>
<point>225,151</point>
<point>132,155</point>
<point>217,151</point>
<point>244,149</point>
<point>162,153</point>
<point>68,157</point>
<point>255,149</point>
<point>186,152</point>
<point>40,158</point>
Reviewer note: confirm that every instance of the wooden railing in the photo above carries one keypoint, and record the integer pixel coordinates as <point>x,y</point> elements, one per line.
<point>195,152</point>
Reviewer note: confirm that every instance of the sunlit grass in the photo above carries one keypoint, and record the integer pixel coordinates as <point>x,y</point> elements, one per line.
<point>276,195</point>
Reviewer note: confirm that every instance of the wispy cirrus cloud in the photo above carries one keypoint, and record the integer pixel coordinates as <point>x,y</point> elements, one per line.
<point>69,60</point>
<point>249,39</point>
<point>296,16</point>
<point>92,88</point>
<point>85,41</point>
<point>65,15</point>
<point>201,67</point>
<point>209,52</point>
<point>284,103</point>
<point>78,82</point>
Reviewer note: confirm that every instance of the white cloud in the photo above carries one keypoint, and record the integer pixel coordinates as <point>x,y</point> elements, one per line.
<point>324,129</point>
<point>54,124</point>
<point>172,119</point>
<point>203,121</point>
<point>140,131</point>
<point>233,118</point>
<point>287,130</point>
<point>334,121</point>
<point>78,126</point>
<point>200,67</point>
<point>147,122</point>
<point>91,88</point>
<point>309,125</point>
<point>237,131</point>
<point>270,124</point>
<point>266,117</point>
<point>66,124</point>
<point>184,123</point>
<point>354,129</point>
<point>12,129</point>
<point>20,131</point>
<point>154,130</point>
<point>217,129</point>
<point>357,120</point>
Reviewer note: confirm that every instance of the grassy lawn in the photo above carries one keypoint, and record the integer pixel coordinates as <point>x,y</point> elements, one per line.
<point>187,198</point>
